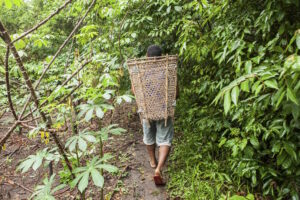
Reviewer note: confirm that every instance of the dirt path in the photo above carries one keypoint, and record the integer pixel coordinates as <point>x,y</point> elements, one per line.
<point>134,183</point>
<point>138,184</point>
<point>138,181</point>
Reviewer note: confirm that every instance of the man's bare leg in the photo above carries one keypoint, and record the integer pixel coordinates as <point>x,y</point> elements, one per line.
<point>162,157</point>
<point>151,152</point>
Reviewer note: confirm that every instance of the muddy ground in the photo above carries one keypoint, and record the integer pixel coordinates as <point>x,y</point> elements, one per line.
<point>133,182</point>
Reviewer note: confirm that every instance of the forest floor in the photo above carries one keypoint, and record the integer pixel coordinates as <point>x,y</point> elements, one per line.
<point>133,182</point>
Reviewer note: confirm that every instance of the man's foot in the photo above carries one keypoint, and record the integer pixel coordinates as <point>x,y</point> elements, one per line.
<point>158,180</point>
<point>153,164</point>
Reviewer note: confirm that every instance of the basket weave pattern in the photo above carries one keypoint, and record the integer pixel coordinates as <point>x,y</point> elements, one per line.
<point>154,81</point>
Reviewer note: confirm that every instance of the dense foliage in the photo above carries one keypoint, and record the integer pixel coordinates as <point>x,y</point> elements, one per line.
<point>238,115</point>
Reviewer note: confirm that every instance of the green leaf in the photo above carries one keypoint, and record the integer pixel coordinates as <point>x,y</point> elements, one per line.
<point>287,163</point>
<point>290,151</point>
<point>75,181</point>
<point>236,197</point>
<point>169,9</point>
<point>291,95</point>
<point>248,67</point>
<point>107,167</point>
<point>89,115</point>
<point>276,147</point>
<point>2,70</point>
<point>258,89</point>
<point>73,145</point>
<point>298,41</point>
<point>280,99</point>
<point>235,92</point>
<point>82,144</point>
<point>227,102</point>
<point>254,141</point>
<point>178,8</point>
<point>83,182</point>
<point>25,165</point>
<point>37,163</point>
<point>90,138</point>
<point>243,144</point>
<point>97,178</point>
<point>250,197</point>
<point>245,86</point>
<point>253,179</point>
<point>281,158</point>
<point>117,131</point>
<point>222,142</point>
<point>59,187</point>
<point>235,150</point>
<point>99,112</point>
<point>20,44</point>
<point>272,83</point>
<point>281,29</point>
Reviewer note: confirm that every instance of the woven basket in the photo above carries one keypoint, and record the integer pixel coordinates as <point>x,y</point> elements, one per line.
<point>154,82</point>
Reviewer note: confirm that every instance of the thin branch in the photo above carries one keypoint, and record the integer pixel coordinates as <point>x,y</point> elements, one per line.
<point>22,186</point>
<point>11,106</point>
<point>42,22</point>
<point>64,44</point>
<point>24,108</point>
<point>31,120</point>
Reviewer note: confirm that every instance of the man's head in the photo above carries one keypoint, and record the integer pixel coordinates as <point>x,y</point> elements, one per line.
<point>154,51</point>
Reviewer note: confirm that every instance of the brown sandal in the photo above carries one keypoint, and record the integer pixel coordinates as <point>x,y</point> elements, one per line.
<point>159,181</point>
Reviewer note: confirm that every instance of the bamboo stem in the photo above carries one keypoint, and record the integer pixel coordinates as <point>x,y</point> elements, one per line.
<point>167,92</point>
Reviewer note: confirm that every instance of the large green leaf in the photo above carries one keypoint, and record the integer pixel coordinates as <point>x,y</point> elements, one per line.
<point>290,150</point>
<point>298,40</point>
<point>99,112</point>
<point>254,141</point>
<point>82,144</point>
<point>235,92</point>
<point>83,183</point>
<point>227,102</point>
<point>292,96</point>
<point>271,83</point>
<point>248,66</point>
<point>97,178</point>
<point>109,168</point>
<point>245,86</point>
<point>89,114</point>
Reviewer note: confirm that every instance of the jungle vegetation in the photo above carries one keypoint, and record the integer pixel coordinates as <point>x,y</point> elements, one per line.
<point>238,113</point>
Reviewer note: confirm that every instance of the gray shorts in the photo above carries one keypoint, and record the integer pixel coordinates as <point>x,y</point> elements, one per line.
<point>156,132</point>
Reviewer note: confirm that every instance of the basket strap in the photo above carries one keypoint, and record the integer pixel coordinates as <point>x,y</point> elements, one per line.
<point>167,86</point>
